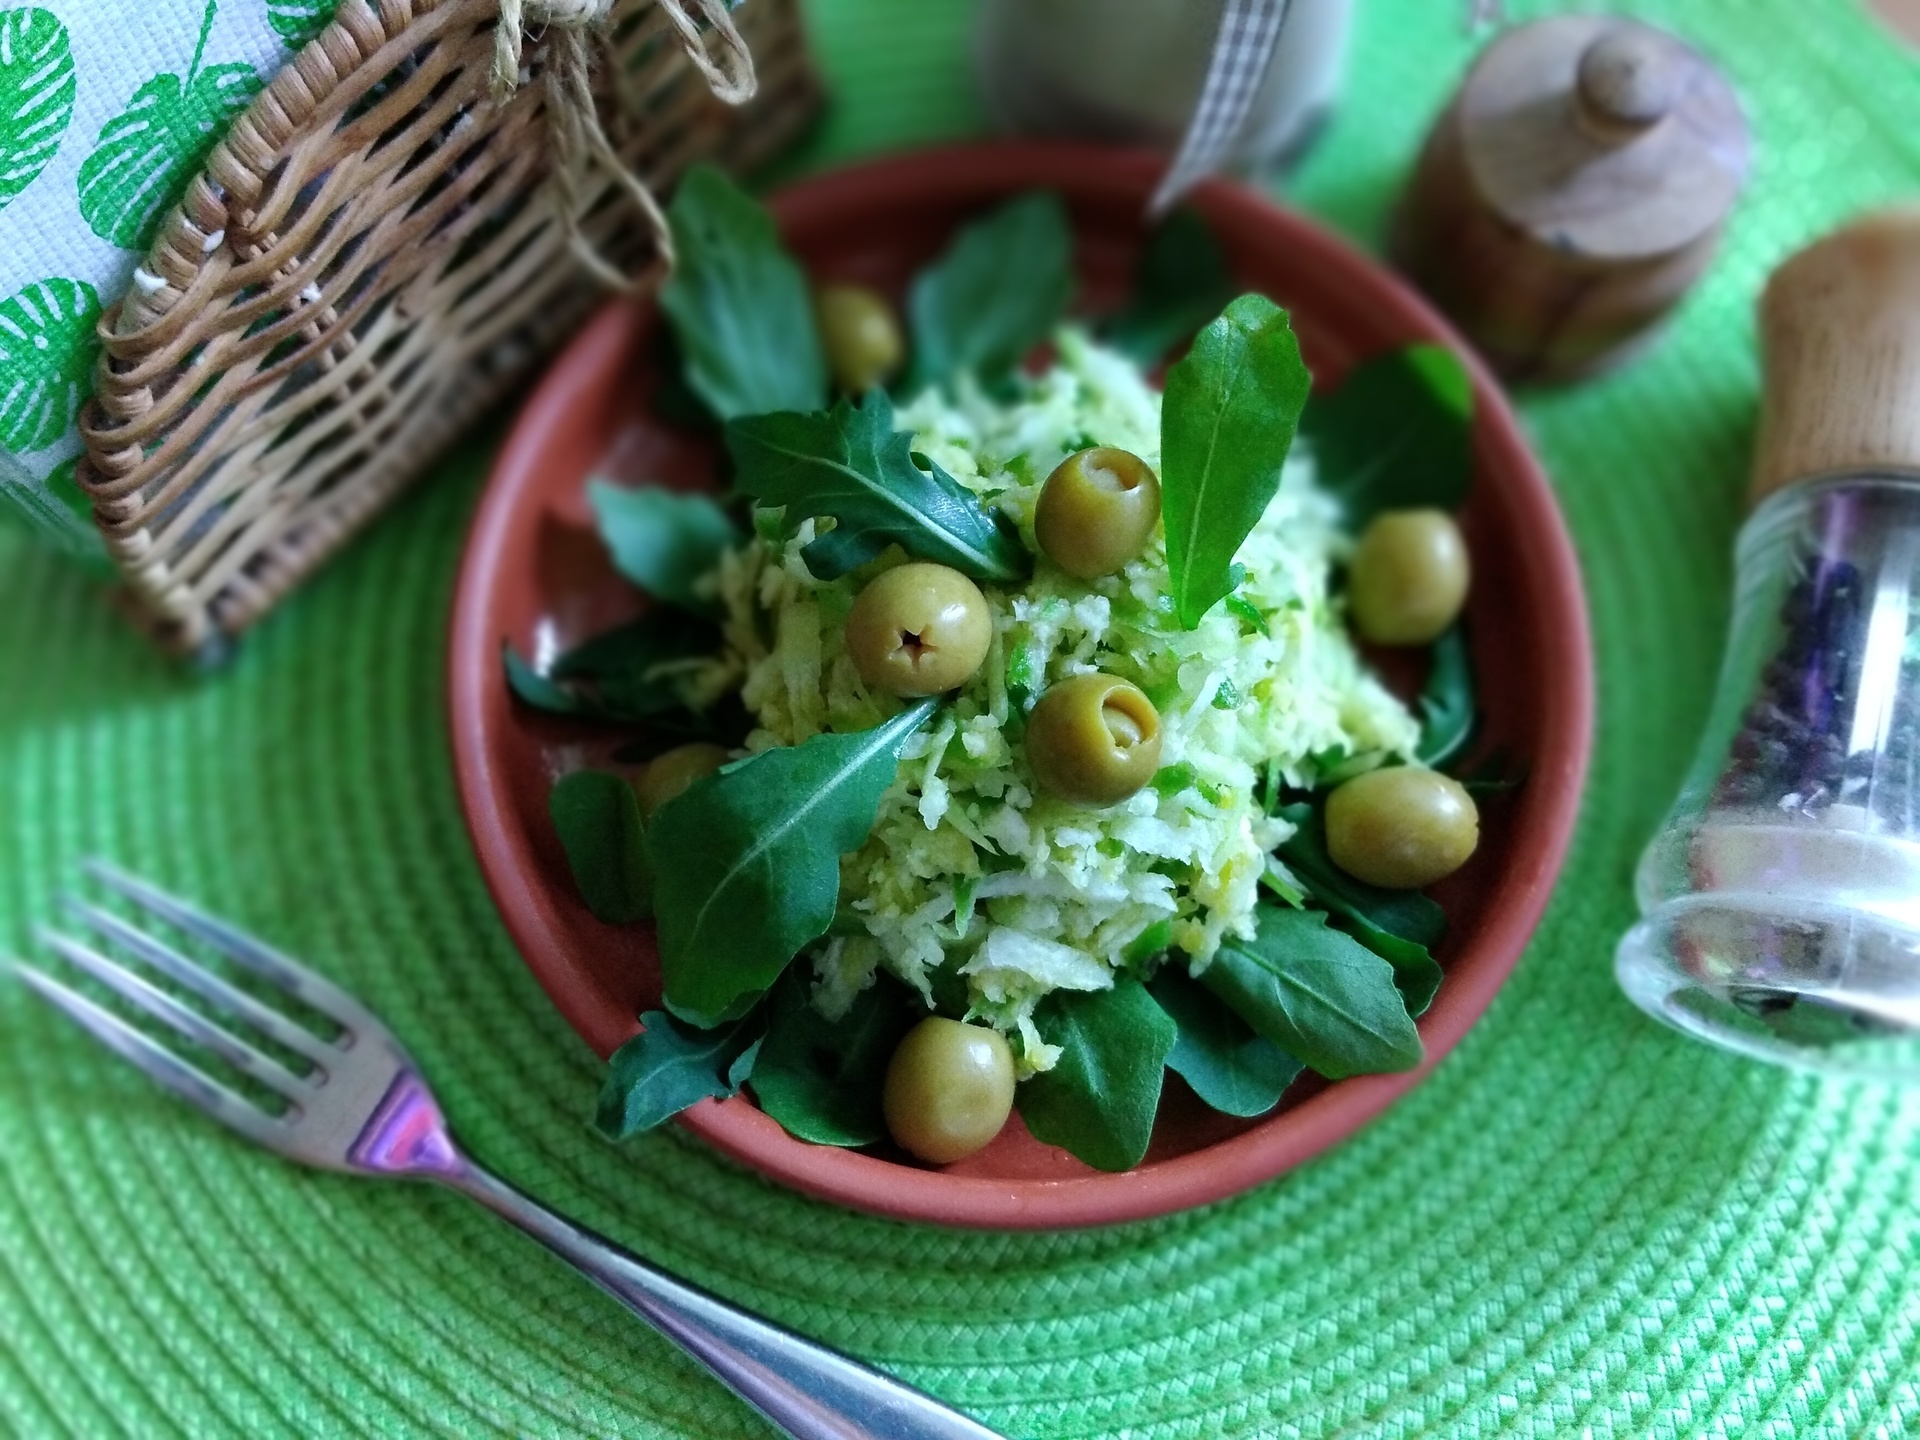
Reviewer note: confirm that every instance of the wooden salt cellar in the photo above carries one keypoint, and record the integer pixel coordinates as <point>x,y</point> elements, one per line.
<point>1571,192</point>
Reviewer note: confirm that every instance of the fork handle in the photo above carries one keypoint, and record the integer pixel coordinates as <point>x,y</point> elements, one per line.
<point>808,1390</point>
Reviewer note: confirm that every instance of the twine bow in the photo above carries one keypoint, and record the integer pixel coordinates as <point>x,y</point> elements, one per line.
<point>573,122</point>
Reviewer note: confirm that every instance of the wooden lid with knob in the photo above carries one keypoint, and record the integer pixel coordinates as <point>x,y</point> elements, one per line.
<point>1603,136</point>
<point>1840,352</point>
<point>1571,192</point>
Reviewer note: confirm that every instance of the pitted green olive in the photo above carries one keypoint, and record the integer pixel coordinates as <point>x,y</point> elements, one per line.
<point>1402,828</point>
<point>949,1089</point>
<point>860,336</point>
<point>919,629</point>
<point>1093,739</point>
<point>669,774</point>
<point>1408,578</point>
<point>1096,511</point>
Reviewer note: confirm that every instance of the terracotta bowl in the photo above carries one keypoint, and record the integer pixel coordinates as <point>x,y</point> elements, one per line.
<point>534,575</point>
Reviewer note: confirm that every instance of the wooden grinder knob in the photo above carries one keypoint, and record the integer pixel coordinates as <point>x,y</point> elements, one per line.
<point>1572,191</point>
<point>1626,80</point>
<point>1840,354</point>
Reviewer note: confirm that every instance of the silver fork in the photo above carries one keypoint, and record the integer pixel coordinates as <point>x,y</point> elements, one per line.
<point>363,1108</point>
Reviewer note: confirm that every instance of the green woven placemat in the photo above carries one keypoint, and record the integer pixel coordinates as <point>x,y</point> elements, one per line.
<point>1581,1224</point>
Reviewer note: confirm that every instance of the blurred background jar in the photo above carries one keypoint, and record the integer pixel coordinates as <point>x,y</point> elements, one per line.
<point>1131,71</point>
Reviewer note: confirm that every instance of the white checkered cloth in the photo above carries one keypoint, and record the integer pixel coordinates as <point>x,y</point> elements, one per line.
<point>1249,30</point>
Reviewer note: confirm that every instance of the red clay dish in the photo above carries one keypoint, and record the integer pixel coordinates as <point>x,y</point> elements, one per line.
<point>534,575</point>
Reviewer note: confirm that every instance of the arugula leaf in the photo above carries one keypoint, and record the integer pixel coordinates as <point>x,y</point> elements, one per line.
<point>1446,702</point>
<point>849,462</point>
<point>623,675</point>
<point>663,541</point>
<point>995,292</point>
<point>1181,283</point>
<point>1381,917</point>
<point>1316,993</point>
<point>1226,423</point>
<point>1418,978</point>
<point>1396,434</point>
<point>1233,1069</point>
<point>739,304</point>
<point>670,1065</point>
<point>600,829</point>
<point>746,863</point>
<point>530,687</point>
<point>822,1079</point>
<point>1099,1099</point>
<point>1397,925</point>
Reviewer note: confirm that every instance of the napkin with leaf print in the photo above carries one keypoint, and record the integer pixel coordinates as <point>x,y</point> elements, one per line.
<point>107,108</point>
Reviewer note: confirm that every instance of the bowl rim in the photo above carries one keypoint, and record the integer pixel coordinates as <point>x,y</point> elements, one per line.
<point>1544,831</point>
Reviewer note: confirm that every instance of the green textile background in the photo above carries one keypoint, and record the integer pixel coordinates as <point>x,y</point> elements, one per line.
<point>1581,1224</point>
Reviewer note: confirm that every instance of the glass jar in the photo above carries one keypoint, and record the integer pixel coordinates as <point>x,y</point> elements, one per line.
<point>1130,71</point>
<point>1780,902</point>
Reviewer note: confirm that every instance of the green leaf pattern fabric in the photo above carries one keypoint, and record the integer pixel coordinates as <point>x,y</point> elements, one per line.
<point>107,109</point>
<point>47,347</point>
<point>36,95</point>
<point>298,21</point>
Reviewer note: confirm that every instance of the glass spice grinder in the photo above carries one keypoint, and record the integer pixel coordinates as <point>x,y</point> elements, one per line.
<point>1780,901</point>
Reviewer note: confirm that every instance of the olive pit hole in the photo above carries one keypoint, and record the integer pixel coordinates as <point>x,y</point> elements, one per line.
<point>1112,479</point>
<point>1124,728</point>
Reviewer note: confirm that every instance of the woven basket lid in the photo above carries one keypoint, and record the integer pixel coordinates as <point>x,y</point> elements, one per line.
<point>1603,136</point>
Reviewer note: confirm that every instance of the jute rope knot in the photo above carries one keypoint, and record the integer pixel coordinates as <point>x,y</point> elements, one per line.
<point>573,123</point>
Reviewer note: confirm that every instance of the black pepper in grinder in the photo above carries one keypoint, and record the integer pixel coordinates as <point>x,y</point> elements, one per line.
<point>1781,901</point>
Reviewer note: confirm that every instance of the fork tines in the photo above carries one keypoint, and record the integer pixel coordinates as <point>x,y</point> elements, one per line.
<point>158,1060</point>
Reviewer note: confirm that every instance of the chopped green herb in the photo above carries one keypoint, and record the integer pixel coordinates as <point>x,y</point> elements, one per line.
<point>1245,610</point>
<point>1150,942</point>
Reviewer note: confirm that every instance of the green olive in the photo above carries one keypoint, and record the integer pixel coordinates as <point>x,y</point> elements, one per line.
<point>949,1089</point>
<point>1096,510</point>
<point>1402,828</point>
<point>1093,739</point>
<point>919,629</point>
<point>670,773</point>
<point>860,335</point>
<point>1409,577</point>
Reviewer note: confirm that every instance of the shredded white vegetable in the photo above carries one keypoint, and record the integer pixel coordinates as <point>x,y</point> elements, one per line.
<point>971,870</point>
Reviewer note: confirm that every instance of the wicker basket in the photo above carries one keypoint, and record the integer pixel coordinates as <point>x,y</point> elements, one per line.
<point>369,260</point>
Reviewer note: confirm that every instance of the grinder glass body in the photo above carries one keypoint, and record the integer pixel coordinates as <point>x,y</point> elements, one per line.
<point>1780,902</point>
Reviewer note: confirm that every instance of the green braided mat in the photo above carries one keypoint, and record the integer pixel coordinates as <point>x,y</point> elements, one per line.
<point>1581,1224</point>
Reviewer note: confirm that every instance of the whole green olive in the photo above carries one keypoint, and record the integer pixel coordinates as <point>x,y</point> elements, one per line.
<point>1401,828</point>
<point>1408,578</point>
<point>1093,739</point>
<point>949,1089</point>
<point>669,774</point>
<point>919,629</point>
<point>1096,510</point>
<point>859,334</point>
